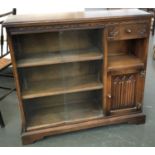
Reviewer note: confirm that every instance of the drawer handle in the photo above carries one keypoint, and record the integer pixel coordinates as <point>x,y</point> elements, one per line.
<point>128,30</point>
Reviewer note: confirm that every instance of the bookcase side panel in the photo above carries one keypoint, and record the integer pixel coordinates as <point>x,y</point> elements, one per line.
<point>16,75</point>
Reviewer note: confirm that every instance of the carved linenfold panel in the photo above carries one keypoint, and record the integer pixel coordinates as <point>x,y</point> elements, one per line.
<point>123,92</point>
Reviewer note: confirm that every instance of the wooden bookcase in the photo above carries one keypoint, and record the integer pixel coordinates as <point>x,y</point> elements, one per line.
<point>78,70</point>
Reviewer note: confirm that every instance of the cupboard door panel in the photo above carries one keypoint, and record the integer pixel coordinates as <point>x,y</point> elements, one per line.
<point>125,91</point>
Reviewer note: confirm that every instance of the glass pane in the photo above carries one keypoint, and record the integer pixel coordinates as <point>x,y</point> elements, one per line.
<point>82,74</point>
<point>60,76</point>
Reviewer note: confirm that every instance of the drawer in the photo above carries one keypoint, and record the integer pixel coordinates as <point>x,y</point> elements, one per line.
<point>128,31</point>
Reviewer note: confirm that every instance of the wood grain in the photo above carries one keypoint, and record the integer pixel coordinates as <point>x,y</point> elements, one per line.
<point>123,92</point>
<point>60,57</point>
<point>124,62</point>
<point>49,88</point>
<point>32,136</point>
<point>64,114</point>
<point>128,30</point>
<point>74,17</point>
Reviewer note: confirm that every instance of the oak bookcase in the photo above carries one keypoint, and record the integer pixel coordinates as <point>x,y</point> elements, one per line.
<point>78,70</point>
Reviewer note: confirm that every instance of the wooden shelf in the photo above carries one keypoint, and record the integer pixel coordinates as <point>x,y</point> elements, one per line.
<point>124,62</point>
<point>60,57</point>
<point>63,114</point>
<point>70,85</point>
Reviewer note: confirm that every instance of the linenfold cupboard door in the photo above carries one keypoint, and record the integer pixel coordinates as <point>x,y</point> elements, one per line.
<point>125,91</point>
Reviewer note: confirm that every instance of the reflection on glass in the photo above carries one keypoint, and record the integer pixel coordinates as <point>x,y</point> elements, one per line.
<point>61,76</point>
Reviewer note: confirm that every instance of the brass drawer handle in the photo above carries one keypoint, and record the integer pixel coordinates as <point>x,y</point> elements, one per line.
<point>128,30</point>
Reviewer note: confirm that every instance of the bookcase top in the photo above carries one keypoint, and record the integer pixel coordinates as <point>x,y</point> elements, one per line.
<point>73,17</point>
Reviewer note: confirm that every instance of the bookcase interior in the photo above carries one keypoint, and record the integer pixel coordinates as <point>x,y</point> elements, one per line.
<point>63,109</point>
<point>126,54</point>
<point>58,47</point>
<point>60,75</point>
<point>60,79</point>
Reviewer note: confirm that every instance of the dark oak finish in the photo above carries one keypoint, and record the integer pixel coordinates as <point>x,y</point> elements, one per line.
<point>76,109</point>
<point>56,87</point>
<point>30,137</point>
<point>128,30</point>
<point>57,57</point>
<point>75,17</point>
<point>79,70</point>
<point>124,61</point>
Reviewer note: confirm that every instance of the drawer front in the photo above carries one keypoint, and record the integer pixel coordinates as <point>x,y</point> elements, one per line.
<point>128,31</point>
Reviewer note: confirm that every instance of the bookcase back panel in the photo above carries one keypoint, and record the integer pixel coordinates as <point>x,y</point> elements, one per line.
<point>118,47</point>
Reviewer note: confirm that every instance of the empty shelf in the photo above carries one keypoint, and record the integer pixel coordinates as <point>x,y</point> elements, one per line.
<point>56,87</point>
<point>60,57</point>
<point>63,114</point>
<point>124,62</point>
